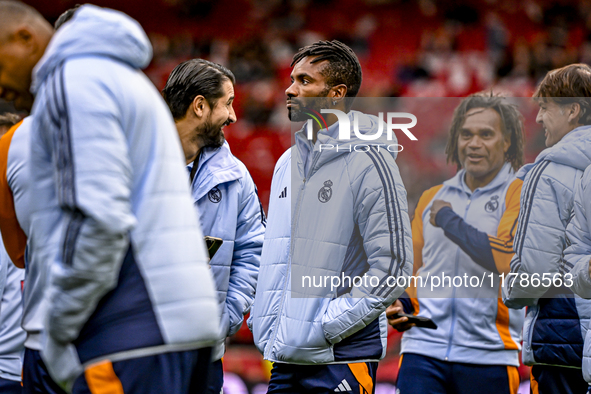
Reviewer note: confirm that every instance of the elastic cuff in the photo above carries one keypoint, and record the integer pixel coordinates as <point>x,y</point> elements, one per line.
<point>406,304</point>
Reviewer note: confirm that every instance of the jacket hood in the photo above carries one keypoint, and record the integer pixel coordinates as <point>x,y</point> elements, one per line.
<point>95,31</point>
<point>573,150</point>
<point>216,166</point>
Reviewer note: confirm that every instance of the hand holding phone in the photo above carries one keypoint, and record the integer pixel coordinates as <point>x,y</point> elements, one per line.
<point>418,321</point>
<point>401,321</point>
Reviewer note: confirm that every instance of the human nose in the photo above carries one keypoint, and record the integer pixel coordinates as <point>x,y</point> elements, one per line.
<point>474,142</point>
<point>232,116</point>
<point>539,116</point>
<point>291,91</point>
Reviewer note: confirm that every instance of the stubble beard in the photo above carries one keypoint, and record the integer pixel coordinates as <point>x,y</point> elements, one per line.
<point>210,136</point>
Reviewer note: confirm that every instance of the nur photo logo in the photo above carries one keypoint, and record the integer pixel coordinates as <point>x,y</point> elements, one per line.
<point>385,123</point>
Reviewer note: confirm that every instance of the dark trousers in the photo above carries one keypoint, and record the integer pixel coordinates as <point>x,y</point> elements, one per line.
<point>425,375</point>
<point>216,378</point>
<point>167,373</point>
<point>36,379</point>
<point>546,379</point>
<point>323,379</point>
<point>10,387</point>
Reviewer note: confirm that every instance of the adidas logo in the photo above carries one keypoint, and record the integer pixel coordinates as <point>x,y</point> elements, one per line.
<point>343,387</point>
<point>283,193</point>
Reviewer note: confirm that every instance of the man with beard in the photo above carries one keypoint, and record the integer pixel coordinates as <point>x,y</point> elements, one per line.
<point>349,220</point>
<point>200,95</point>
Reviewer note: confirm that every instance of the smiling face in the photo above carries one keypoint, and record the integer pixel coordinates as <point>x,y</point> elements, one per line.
<point>306,81</point>
<point>554,119</point>
<point>482,146</point>
<point>210,132</point>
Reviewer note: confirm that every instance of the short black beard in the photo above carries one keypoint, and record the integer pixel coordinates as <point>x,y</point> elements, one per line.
<point>296,114</point>
<point>210,136</point>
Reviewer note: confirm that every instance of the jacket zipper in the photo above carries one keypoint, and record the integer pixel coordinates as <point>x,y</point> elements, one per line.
<point>453,297</point>
<point>270,345</point>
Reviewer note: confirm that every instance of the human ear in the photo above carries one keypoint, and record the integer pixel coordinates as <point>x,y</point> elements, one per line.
<point>338,92</point>
<point>198,106</point>
<point>506,143</point>
<point>574,113</point>
<point>24,37</point>
<point>23,34</point>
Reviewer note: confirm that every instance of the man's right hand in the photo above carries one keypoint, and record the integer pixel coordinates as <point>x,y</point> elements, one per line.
<point>400,324</point>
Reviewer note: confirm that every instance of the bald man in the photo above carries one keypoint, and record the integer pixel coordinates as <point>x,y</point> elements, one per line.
<point>24,35</point>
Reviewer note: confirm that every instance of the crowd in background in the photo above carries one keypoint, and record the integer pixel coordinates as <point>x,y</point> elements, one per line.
<point>421,48</point>
<point>410,49</point>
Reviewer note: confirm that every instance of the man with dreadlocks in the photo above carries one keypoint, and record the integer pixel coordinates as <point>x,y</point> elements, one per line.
<point>466,226</point>
<point>332,213</point>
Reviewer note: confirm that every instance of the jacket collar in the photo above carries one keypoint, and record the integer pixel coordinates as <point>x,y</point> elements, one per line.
<point>330,137</point>
<point>216,166</point>
<point>574,150</point>
<point>459,180</point>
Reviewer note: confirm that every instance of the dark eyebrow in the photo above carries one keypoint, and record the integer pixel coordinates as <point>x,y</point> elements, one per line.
<point>304,75</point>
<point>481,129</point>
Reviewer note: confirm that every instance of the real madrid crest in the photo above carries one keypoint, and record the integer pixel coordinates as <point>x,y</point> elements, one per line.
<point>492,205</point>
<point>215,195</point>
<point>325,192</point>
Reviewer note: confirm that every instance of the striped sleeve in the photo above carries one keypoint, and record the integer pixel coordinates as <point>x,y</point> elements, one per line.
<point>418,241</point>
<point>394,223</point>
<point>473,242</point>
<point>540,236</point>
<point>525,212</point>
<point>490,252</point>
<point>15,240</point>
<point>502,244</point>
<point>380,213</point>
<point>94,195</point>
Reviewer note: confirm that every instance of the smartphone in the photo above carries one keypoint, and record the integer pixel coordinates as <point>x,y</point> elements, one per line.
<point>419,321</point>
<point>213,244</point>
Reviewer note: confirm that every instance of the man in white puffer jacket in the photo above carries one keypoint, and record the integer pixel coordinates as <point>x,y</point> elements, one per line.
<point>333,213</point>
<point>112,224</point>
